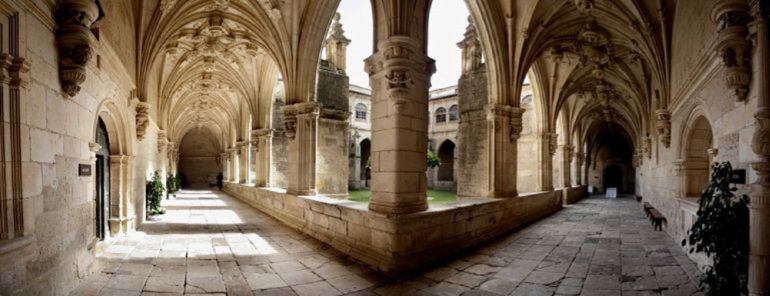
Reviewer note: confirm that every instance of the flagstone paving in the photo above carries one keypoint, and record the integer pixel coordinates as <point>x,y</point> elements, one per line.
<point>210,243</point>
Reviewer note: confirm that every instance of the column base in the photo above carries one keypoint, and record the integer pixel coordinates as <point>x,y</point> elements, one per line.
<point>397,209</point>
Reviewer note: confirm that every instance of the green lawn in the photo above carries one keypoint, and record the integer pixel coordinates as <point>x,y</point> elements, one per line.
<point>434,196</point>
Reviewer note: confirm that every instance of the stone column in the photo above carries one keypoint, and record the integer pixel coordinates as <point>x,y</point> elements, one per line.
<point>300,126</point>
<point>567,160</point>
<point>354,178</point>
<point>121,204</point>
<point>548,150</point>
<point>232,158</point>
<point>242,150</point>
<point>264,152</point>
<point>400,77</point>
<point>504,128</point>
<point>579,159</point>
<point>225,163</point>
<point>759,207</point>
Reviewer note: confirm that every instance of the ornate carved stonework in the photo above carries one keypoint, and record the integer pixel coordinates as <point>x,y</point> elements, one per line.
<point>647,147</point>
<point>142,119</point>
<point>732,18</point>
<point>664,126</point>
<point>74,40</point>
<point>516,123</point>
<point>19,72</point>
<point>162,141</point>
<point>760,142</point>
<point>292,112</point>
<point>471,49</point>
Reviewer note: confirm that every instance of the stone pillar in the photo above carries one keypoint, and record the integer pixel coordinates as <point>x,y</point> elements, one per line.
<point>300,125</point>
<point>400,77</point>
<point>472,154</point>
<point>224,161</point>
<point>759,207</point>
<point>121,204</point>
<point>354,176</point>
<point>548,150</point>
<point>242,150</point>
<point>263,147</point>
<point>332,96</point>
<point>567,171</point>
<point>579,159</point>
<point>232,159</point>
<point>504,128</point>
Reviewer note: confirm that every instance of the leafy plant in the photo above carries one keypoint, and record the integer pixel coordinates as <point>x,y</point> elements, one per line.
<point>433,160</point>
<point>722,233</point>
<point>155,193</point>
<point>173,183</point>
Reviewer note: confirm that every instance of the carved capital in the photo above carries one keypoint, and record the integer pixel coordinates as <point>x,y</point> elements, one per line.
<point>74,40</point>
<point>647,147</point>
<point>760,141</point>
<point>663,125</point>
<point>162,141</point>
<point>19,72</point>
<point>307,111</point>
<point>6,60</point>
<point>94,147</point>
<point>679,167</point>
<point>142,119</point>
<point>516,124</point>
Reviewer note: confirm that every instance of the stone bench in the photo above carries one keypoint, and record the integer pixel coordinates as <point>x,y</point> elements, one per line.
<point>657,219</point>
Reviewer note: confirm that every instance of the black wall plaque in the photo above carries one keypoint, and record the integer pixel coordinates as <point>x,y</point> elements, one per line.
<point>738,177</point>
<point>84,170</point>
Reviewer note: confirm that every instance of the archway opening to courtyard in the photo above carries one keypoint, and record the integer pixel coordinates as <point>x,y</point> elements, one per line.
<point>446,153</point>
<point>697,147</point>
<point>365,166</point>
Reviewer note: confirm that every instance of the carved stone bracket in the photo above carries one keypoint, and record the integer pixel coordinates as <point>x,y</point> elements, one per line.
<point>19,72</point>
<point>664,126</point>
<point>142,119</point>
<point>732,18</point>
<point>74,40</point>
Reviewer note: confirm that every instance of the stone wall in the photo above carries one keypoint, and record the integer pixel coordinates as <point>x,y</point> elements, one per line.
<point>574,194</point>
<point>55,250</point>
<point>397,243</point>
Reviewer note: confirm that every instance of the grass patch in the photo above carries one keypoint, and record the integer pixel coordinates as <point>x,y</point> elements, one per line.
<point>434,196</point>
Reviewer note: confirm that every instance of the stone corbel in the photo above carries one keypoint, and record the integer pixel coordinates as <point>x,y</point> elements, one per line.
<point>94,148</point>
<point>142,119</point>
<point>664,126</point>
<point>74,40</point>
<point>731,18</point>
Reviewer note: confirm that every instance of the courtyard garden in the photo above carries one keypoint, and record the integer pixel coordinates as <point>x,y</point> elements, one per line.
<point>434,196</point>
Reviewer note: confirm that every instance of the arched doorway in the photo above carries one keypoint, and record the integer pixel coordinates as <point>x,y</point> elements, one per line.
<point>366,151</point>
<point>613,177</point>
<point>446,152</point>
<point>102,181</point>
<point>699,141</point>
<point>198,158</point>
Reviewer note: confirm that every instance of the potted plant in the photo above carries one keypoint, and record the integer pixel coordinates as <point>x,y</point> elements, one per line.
<point>721,231</point>
<point>155,191</point>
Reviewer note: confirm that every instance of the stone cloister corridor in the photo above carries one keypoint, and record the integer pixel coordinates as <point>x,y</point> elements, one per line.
<point>211,243</point>
<point>389,147</point>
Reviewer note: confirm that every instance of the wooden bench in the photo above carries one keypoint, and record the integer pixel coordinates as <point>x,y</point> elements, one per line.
<point>647,206</point>
<point>657,219</point>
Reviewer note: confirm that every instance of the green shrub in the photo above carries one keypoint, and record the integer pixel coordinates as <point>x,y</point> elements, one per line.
<point>173,183</point>
<point>722,233</point>
<point>433,160</point>
<point>155,193</point>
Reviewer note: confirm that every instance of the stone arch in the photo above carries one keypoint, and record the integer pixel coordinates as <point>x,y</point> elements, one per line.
<point>446,152</point>
<point>366,152</point>
<point>122,201</point>
<point>697,153</point>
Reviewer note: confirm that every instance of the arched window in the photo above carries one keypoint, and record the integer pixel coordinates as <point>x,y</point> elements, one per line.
<point>454,113</point>
<point>440,115</point>
<point>361,111</point>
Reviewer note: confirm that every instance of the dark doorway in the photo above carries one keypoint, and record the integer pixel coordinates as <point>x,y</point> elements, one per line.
<point>102,175</point>
<point>446,152</point>
<point>366,152</point>
<point>613,177</point>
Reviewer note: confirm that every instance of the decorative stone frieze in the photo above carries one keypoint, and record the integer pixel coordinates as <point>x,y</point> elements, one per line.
<point>142,119</point>
<point>664,126</point>
<point>731,18</point>
<point>74,40</point>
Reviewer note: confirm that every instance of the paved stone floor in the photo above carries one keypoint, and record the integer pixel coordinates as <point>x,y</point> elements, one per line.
<point>210,243</point>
